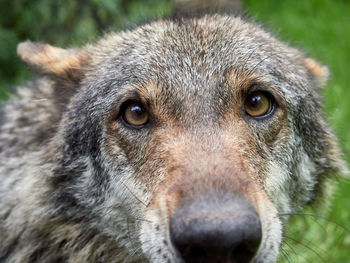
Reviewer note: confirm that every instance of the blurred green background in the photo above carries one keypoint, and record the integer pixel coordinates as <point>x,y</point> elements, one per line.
<point>320,27</point>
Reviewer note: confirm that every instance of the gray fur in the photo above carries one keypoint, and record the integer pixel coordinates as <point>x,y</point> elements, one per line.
<point>75,190</point>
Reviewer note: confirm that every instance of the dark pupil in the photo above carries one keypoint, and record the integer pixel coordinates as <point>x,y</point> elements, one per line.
<point>255,101</point>
<point>136,111</point>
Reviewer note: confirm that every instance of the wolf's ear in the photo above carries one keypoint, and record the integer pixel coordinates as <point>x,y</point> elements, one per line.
<point>320,73</point>
<point>65,65</point>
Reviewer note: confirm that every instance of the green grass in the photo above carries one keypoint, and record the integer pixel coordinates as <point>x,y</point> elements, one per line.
<point>322,29</point>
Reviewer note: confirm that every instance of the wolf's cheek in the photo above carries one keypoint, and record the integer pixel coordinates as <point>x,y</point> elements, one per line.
<point>290,189</point>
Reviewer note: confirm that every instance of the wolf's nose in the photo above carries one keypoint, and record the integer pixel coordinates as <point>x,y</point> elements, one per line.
<point>219,229</point>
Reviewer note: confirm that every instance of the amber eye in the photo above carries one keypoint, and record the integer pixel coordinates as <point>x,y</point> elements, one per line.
<point>134,114</point>
<point>258,104</point>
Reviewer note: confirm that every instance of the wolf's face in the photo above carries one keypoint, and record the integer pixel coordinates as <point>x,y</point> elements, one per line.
<point>184,140</point>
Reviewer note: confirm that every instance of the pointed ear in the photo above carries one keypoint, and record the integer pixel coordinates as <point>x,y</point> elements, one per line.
<point>62,64</point>
<point>320,73</point>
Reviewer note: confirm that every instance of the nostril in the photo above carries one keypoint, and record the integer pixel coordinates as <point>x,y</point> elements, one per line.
<point>243,252</point>
<point>202,231</point>
<point>194,254</point>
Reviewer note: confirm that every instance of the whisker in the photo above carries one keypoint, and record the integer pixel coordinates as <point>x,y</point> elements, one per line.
<point>285,255</point>
<point>306,246</point>
<point>251,71</point>
<point>307,241</point>
<point>290,247</point>
<point>134,195</point>
<point>134,252</point>
<point>131,254</point>
<point>143,220</point>
<point>315,216</point>
<point>245,62</point>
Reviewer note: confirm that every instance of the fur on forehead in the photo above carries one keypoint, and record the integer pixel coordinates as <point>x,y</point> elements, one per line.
<point>70,65</point>
<point>210,39</point>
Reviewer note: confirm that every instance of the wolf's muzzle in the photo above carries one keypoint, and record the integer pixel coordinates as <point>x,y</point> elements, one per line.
<point>220,229</point>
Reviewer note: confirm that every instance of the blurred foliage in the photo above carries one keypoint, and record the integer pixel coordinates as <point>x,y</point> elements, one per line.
<point>64,23</point>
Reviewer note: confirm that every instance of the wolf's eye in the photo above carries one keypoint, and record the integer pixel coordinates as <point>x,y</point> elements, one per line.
<point>134,114</point>
<point>258,104</point>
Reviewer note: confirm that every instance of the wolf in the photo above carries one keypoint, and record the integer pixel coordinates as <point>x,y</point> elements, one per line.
<point>183,140</point>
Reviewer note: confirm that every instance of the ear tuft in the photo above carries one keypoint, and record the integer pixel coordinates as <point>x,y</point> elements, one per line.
<point>319,72</point>
<point>64,64</point>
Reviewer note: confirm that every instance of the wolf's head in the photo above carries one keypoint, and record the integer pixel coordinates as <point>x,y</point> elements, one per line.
<point>184,140</point>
